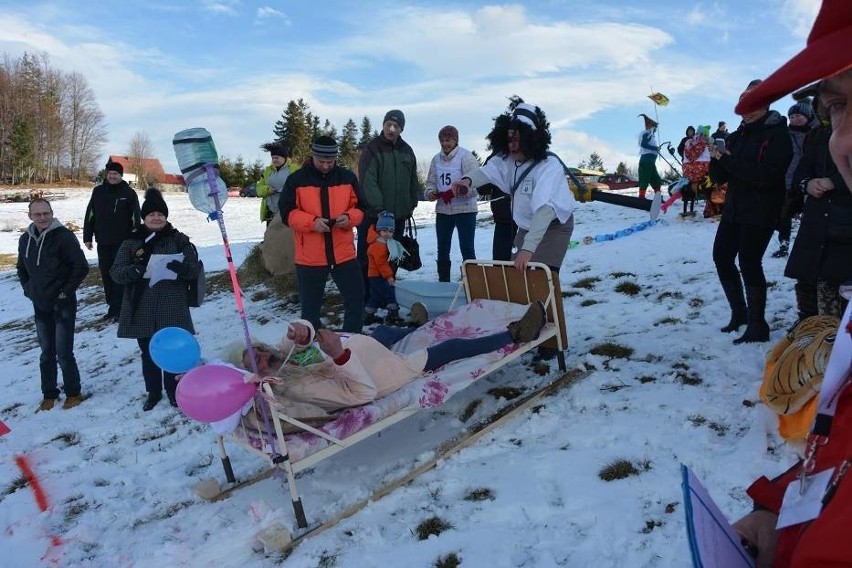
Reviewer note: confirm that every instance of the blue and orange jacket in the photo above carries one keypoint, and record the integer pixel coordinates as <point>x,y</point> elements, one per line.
<point>309,194</point>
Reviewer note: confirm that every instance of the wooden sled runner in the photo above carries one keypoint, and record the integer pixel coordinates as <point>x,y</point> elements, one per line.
<point>497,293</point>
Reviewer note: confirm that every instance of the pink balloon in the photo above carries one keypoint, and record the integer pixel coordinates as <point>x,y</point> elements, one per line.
<point>210,393</point>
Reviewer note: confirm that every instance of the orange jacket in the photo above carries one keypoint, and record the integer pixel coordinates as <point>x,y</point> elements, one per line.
<point>377,256</point>
<point>309,194</point>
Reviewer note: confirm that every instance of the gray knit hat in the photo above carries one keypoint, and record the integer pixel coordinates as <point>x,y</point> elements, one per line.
<point>324,147</point>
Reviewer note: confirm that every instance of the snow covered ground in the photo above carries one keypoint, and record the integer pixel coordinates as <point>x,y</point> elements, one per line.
<point>120,482</point>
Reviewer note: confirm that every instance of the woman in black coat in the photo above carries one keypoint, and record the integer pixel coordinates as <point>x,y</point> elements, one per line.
<point>146,309</point>
<point>821,258</point>
<point>753,165</point>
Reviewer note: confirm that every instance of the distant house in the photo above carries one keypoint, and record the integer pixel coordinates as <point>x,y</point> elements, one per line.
<point>153,171</point>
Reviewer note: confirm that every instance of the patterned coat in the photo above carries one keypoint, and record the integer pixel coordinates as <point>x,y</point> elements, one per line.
<point>145,309</point>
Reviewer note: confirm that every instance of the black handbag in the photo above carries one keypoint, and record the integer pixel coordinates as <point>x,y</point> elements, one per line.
<point>408,240</point>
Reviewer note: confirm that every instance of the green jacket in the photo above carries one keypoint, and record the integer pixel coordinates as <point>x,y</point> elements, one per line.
<point>264,190</point>
<point>388,175</point>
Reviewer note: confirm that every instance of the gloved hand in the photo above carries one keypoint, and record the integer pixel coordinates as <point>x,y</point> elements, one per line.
<point>179,267</point>
<point>63,300</point>
<point>446,196</point>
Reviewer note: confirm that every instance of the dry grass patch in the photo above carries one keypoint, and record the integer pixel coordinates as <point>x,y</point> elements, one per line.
<point>432,526</point>
<point>628,288</point>
<point>451,560</point>
<point>612,350</point>
<point>587,283</point>
<point>479,494</point>
<point>618,469</point>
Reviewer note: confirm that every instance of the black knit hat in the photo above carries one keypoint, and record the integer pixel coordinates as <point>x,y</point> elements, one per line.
<point>154,202</point>
<point>324,147</point>
<point>277,148</point>
<point>114,167</point>
<point>802,107</point>
<point>396,116</point>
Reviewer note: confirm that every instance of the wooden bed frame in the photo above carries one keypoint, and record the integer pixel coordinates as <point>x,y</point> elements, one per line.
<point>481,279</point>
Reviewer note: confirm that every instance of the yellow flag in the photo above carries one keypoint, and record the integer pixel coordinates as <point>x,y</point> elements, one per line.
<point>659,98</point>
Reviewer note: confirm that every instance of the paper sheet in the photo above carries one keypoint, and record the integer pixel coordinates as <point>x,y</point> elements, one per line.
<point>156,269</point>
<point>712,540</point>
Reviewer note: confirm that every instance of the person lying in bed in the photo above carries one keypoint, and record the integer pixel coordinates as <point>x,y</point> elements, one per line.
<point>352,370</point>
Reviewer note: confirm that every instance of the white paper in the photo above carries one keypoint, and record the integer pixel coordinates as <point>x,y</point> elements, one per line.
<point>712,540</point>
<point>802,506</point>
<point>156,269</point>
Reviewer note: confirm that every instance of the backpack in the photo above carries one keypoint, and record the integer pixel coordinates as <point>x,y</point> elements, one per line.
<point>197,288</point>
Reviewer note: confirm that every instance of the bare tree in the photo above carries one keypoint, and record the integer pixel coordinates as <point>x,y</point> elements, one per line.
<point>140,149</point>
<point>85,128</point>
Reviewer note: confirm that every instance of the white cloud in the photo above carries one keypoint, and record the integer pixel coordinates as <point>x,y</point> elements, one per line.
<point>696,16</point>
<point>223,7</point>
<point>799,15</point>
<point>268,13</point>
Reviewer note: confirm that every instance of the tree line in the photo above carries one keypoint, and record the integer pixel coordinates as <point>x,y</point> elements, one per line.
<point>51,126</point>
<point>297,128</point>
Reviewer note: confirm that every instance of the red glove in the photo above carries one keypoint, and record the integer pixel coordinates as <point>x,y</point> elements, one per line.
<point>446,196</point>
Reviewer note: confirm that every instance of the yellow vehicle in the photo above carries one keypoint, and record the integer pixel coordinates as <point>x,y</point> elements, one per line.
<point>589,178</point>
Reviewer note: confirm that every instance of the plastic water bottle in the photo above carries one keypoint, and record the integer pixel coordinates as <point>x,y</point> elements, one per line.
<point>194,149</point>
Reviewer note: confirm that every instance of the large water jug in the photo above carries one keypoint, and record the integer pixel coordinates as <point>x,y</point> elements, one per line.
<point>194,149</point>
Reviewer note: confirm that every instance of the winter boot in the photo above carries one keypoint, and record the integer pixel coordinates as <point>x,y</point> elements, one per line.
<point>72,401</point>
<point>642,193</point>
<point>783,250</point>
<point>444,270</point>
<point>393,315</point>
<point>418,315</point>
<point>739,312</point>
<point>529,326</point>
<point>151,401</point>
<point>46,404</point>
<point>757,330</point>
<point>370,316</point>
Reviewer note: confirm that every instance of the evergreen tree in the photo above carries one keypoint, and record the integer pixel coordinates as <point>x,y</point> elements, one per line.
<point>255,171</point>
<point>226,171</point>
<point>595,162</point>
<point>293,130</point>
<point>621,169</point>
<point>366,135</point>
<point>348,145</point>
<point>239,175</point>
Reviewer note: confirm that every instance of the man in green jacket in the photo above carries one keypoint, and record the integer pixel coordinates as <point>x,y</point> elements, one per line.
<point>387,171</point>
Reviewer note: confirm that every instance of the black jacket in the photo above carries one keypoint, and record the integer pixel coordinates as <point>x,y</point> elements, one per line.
<point>146,309</point>
<point>823,247</point>
<point>112,213</point>
<point>50,263</point>
<point>754,171</point>
<point>720,134</point>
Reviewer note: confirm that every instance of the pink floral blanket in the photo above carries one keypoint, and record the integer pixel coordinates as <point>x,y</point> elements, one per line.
<point>476,319</point>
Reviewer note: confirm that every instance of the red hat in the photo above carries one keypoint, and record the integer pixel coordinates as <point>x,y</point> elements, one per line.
<point>828,52</point>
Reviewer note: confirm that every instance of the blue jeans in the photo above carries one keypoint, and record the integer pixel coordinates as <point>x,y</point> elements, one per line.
<point>347,277</point>
<point>387,335</point>
<point>55,330</point>
<point>382,294</point>
<point>465,223</point>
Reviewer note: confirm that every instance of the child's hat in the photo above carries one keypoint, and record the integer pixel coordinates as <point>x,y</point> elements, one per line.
<point>385,222</point>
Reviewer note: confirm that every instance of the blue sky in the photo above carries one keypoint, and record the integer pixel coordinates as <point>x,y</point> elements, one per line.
<point>231,66</point>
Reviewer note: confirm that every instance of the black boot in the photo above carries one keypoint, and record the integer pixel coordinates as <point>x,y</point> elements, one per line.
<point>444,270</point>
<point>152,400</point>
<point>757,330</point>
<point>393,315</point>
<point>739,312</point>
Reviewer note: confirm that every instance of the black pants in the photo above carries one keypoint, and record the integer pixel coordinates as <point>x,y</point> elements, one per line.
<point>155,378</point>
<point>112,292</point>
<point>746,243</point>
<point>504,236</point>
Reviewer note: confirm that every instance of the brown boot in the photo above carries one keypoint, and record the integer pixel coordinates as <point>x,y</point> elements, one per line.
<point>529,326</point>
<point>418,314</point>
<point>46,404</point>
<point>72,401</point>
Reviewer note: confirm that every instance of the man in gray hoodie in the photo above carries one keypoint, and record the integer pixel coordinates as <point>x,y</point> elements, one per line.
<point>51,266</point>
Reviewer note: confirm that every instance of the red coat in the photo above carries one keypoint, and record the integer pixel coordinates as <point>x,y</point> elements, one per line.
<point>827,540</point>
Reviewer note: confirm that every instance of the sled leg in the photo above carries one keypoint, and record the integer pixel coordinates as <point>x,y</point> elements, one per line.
<point>226,461</point>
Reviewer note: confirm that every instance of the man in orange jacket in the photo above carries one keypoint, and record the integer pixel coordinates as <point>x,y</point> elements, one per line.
<point>322,203</point>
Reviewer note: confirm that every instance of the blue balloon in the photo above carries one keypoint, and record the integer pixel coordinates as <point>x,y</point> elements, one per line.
<point>175,350</point>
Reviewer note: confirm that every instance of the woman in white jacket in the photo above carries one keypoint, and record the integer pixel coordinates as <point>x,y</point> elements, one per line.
<point>454,212</point>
